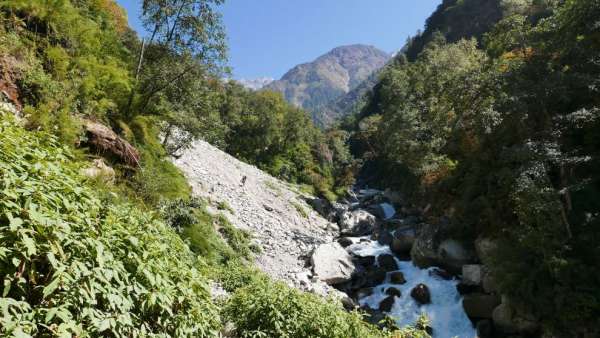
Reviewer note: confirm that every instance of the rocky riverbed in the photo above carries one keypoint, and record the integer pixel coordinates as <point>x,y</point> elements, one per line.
<point>373,250</point>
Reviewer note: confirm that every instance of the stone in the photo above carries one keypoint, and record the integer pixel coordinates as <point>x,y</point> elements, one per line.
<point>320,205</point>
<point>478,305</point>
<point>387,304</point>
<point>366,260</point>
<point>472,274</point>
<point>420,294</point>
<point>392,291</point>
<point>382,211</point>
<point>268,208</point>
<point>464,289</point>
<point>453,255</point>
<point>403,241</point>
<point>387,262</point>
<point>397,277</point>
<point>332,264</point>
<point>357,223</point>
<point>345,242</point>
<point>99,170</point>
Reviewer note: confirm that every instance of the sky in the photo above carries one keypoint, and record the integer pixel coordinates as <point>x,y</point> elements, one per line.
<point>266,38</point>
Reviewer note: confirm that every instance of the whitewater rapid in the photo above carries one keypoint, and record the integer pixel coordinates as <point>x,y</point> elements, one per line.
<point>446,314</point>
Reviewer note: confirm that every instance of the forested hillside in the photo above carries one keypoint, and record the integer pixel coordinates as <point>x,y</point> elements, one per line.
<point>499,136</point>
<point>99,235</point>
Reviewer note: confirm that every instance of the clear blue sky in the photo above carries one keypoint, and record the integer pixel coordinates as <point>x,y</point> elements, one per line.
<point>268,37</point>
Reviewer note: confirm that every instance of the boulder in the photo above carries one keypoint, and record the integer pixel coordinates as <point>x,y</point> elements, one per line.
<point>321,206</point>
<point>104,140</point>
<point>403,240</point>
<point>478,305</point>
<point>453,255</point>
<point>472,274</point>
<point>430,249</point>
<point>420,294</point>
<point>397,277</point>
<point>382,210</point>
<point>387,304</point>
<point>345,242</point>
<point>387,262</point>
<point>392,291</point>
<point>332,264</point>
<point>99,170</point>
<point>508,319</point>
<point>357,223</point>
<point>365,260</point>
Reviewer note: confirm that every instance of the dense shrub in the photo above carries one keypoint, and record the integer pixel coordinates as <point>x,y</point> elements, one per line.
<point>268,309</point>
<point>73,265</point>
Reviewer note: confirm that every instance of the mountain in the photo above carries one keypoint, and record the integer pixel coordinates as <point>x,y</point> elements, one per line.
<point>256,84</point>
<point>316,85</point>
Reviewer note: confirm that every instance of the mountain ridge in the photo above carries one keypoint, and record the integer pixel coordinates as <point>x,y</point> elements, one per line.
<point>315,85</point>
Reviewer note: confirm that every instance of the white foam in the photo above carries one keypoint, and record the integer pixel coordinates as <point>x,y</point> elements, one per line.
<point>447,316</point>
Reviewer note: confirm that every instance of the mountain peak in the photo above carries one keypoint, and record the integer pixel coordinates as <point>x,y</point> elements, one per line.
<point>316,84</point>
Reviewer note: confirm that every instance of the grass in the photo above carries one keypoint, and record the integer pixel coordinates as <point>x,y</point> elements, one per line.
<point>300,209</point>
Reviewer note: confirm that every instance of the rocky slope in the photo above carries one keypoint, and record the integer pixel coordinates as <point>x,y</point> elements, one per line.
<point>315,85</point>
<point>256,84</point>
<point>283,224</point>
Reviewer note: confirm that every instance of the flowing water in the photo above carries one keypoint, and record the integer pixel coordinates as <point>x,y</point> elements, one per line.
<point>446,314</point>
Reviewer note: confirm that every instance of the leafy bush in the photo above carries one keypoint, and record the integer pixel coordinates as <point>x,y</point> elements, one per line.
<point>272,309</point>
<point>73,265</point>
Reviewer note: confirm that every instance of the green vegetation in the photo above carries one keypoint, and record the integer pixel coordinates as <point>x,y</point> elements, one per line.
<point>504,141</point>
<point>75,264</point>
<point>300,209</point>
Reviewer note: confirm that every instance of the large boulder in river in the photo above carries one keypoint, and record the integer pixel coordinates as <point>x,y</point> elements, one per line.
<point>382,210</point>
<point>420,294</point>
<point>357,223</point>
<point>430,249</point>
<point>332,264</point>
<point>387,262</point>
<point>472,274</point>
<point>404,238</point>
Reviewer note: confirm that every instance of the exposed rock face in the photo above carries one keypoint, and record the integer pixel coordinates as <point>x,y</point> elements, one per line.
<point>421,294</point>
<point>403,241</point>
<point>105,141</point>
<point>314,85</point>
<point>256,84</point>
<point>332,264</point>
<point>99,170</point>
<point>357,223</point>
<point>449,253</point>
